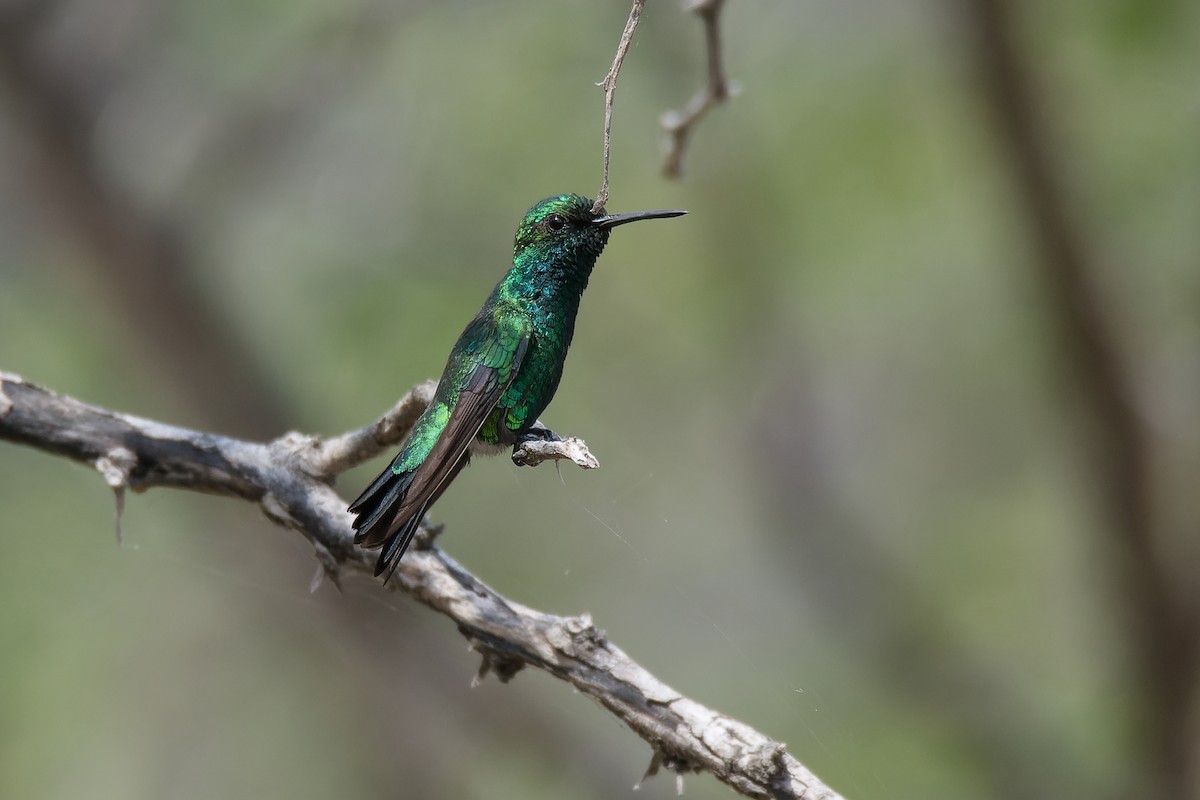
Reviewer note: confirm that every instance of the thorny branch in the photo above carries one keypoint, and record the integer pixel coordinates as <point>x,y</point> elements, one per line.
<point>610,92</point>
<point>290,479</point>
<point>679,124</point>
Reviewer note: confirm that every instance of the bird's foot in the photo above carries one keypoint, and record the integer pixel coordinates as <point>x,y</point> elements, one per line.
<point>538,433</point>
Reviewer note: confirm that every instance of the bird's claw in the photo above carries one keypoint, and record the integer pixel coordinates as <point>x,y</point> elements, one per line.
<point>537,433</point>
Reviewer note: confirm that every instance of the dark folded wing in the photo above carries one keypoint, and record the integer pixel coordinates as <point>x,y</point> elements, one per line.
<point>490,367</point>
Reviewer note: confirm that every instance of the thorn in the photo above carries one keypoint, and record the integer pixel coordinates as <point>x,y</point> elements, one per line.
<point>115,467</point>
<point>327,567</point>
<point>504,667</point>
<point>426,534</point>
<point>485,666</point>
<point>119,496</point>
<point>655,762</point>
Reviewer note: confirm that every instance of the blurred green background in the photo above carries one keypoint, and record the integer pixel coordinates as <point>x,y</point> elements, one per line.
<point>846,493</point>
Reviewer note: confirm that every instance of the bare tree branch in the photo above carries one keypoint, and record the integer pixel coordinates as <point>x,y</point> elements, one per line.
<point>610,92</point>
<point>679,124</point>
<point>341,453</point>
<point>289,479</point>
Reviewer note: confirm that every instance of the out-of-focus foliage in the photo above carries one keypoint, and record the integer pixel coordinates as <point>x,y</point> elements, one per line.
<point>842,494</point>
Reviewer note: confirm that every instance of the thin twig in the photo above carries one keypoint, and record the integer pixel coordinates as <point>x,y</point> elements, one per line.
<point>341,453</point>
<point>679,124</point>
<point>610,92</point>
<point>282,478</point>
<point>573,449</point>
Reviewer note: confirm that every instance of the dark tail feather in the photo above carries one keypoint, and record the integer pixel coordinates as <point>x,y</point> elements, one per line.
<point>377,508</point>
<point>389,557</point>
<point>375,504</point>
<point>371,493</point>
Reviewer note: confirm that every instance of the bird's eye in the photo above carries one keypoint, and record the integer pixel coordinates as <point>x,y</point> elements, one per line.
<point>556,222</point>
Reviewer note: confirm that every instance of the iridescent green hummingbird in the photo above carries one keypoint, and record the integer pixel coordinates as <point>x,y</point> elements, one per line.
<point>501,374</point>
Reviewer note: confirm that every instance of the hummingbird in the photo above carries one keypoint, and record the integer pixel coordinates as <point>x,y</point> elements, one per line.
<point>501,374</point>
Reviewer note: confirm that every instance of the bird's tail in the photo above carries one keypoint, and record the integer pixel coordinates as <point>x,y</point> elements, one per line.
<point>377,525</point>
<point>384,519</point>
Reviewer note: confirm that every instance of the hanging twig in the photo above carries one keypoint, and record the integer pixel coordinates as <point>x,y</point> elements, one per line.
<point>610,92</point>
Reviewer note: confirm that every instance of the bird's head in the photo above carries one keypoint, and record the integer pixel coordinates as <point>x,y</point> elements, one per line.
<point>563,230</point>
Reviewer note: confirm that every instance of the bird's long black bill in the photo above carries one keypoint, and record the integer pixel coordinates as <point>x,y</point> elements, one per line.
<point>613,220</point>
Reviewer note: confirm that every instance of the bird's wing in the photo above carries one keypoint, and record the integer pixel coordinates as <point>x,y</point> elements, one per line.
<point>502,344</point>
